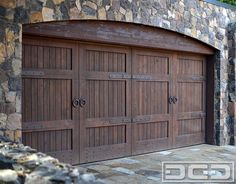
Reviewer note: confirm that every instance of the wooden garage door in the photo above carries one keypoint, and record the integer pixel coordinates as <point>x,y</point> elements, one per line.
<point>190,109</point>
<point>85,102</point>
<point>151,87</point>
<point>168,100</point>
<point>105,73</point>
<point>50,124</point>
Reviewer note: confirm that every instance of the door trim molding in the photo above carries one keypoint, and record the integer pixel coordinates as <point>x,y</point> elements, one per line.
<point>118,33</point>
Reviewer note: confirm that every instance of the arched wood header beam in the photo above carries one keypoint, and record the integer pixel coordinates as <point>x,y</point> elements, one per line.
<point>118,33</point>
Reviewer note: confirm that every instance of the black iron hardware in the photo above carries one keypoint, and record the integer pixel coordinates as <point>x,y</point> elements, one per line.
<point>79,102</point>
<point>82,101</point>
<point>142,77</point>
<point>170,100</point>
<point>123,120</point>
<point>173,99</point>
<point>75,102</point>
<point>32,72</point>
<point>120,75</point>
<point>141,119</point>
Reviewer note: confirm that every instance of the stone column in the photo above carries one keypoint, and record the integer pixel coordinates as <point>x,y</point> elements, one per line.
<point>231,84</point>
<point>10,78</point>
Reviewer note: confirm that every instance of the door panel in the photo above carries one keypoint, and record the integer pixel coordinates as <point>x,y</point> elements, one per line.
<point>105,73</point>
<point>190,111</point>
<point>125,91</point>
<point>151,86</point>
<point>50,123</point>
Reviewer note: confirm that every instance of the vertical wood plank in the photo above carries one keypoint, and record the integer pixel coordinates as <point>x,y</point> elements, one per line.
<point>40,57</point>
<point>34,58</point>
<point>28,63</point>
<point>58,113</point>
<point>69,98</point>
<point>27,100</point>
<point>34,98</point>
<point>40,99</point>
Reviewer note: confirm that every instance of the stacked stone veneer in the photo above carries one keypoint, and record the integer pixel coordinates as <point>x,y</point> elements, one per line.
<point>232,81</point>
<point>196,18</point>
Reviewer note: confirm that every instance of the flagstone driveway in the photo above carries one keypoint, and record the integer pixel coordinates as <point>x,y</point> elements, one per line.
<point>147,169</point>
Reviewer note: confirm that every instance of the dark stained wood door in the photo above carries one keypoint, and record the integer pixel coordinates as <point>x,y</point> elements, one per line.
<point>50,124</point>
<point>151,111</point>
<point>134,98</point>
<point>85,102</point>
<point>190,109</point>
<point>105,120</point>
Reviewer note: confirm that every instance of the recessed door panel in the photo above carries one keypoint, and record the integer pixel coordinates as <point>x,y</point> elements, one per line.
<point>105,75</point>
<point>85,102</point>
<point>50,123</point>
<point>190,110</point>
<point>151,112</point>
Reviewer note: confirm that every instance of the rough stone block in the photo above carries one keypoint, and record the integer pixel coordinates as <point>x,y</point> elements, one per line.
<point>58,1</point>
<point>8,175</point>
<point>36,17</point>
<point>3,120</point>
<point>232,108</point>
<point>129,16</point>
<point>11,96</point>
<point>18,102</point>
<point>10,134</point>
<point>18,136</point>
<point>14,121</point>
<point>102,14</point>
<point>2,52</point>
<point>2,134</point>
<point>74,13</point>
<point>48,14</point>
<point>16,66</point>
<point>90,4</point>
<point>8,3</point>
<point>15,83</point>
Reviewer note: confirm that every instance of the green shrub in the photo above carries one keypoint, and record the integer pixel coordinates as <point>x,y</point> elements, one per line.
<point>232,2</point>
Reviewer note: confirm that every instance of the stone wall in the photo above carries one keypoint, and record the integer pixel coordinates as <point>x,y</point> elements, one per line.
<point>22,164</point>
<point>196,18</point>
<point>10,78</point>
<point>232,77</point>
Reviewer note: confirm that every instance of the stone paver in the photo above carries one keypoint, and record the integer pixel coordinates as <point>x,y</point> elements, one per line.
<point>147,168</point>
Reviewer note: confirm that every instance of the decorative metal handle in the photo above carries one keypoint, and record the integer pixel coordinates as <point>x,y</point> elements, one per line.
<point>82,101</point>
<point>75,102</point>
<point>170,100</point>
<point>175,99</point>
<point>79,102</point>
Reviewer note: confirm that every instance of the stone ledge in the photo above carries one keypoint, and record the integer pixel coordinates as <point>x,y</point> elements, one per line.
<point>22,164</point>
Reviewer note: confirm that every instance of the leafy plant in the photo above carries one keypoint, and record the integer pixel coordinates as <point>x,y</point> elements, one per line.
<point>232,2</point>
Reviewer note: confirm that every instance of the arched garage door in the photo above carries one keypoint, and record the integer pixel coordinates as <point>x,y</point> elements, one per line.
<point>86,101</point>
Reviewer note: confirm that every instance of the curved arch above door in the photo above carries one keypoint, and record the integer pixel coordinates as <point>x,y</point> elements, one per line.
<point>118,33</point>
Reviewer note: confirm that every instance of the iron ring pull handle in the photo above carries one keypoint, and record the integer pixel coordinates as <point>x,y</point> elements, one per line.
<point>79,102</point>
<point>171,100</point>
<point>175,99</point>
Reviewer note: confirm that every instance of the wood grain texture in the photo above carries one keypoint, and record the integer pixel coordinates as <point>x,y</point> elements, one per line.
<point>127,92</point>
<point>48,124</point>
<point>118,33</point>
<point>106,119</point>
<point>190,109</point>
<point>152,125</point>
